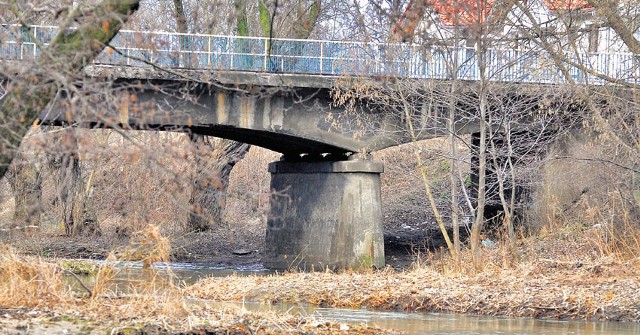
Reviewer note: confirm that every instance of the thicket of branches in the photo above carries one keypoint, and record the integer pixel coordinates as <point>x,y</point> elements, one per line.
<point>509,133</point>
<point>503,150</point>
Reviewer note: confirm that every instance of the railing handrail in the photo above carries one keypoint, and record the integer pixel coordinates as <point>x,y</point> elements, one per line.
<point>260,38</point>
<point>209,51</point>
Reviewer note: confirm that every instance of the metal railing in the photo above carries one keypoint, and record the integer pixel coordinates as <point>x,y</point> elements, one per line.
<point>329,58</point>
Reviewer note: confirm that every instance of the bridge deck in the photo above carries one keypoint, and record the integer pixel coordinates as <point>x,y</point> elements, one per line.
<point>328,58</point>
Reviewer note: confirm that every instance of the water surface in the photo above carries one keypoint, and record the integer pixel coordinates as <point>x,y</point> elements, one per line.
<point>131,275</point>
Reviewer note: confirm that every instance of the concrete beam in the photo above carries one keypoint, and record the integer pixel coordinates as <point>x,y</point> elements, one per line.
<point>290,121</point>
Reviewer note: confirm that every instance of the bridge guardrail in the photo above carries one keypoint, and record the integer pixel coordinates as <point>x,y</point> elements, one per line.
<point>332,58</point>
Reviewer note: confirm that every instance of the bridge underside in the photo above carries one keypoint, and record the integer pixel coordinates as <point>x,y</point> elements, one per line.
<point>325,211</point>
<point>289,121</point>
<point>293,121</point>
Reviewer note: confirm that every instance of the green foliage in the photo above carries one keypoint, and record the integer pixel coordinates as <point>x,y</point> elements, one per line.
<point>79,267</point>
<point>444,166</point>
<point>242,25</point>
<point>314,10</point>
<point>265,18</point>
<point>467,181</point>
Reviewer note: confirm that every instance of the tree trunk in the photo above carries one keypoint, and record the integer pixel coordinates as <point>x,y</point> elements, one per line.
<point>215,159</point>
<point>67,53</point>
<point>181,23</point>
<point>307,18</point>
<point>476,229</point>
<point>24,178</point>
<point>242,22</point>
<point>181,18</point>
<point>610,11</point>
<point>73,194</point>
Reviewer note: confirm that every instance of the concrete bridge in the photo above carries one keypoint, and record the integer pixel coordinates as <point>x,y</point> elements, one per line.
<point>277,94</point>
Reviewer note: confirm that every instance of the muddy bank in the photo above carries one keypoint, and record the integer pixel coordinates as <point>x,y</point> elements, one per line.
<point>20,321</point>
<point>213,247</point>
<point>208,247</point>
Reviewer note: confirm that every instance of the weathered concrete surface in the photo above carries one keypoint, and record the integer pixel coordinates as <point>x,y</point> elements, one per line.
<point>286,120</point>
<point>289,114</point>
<point>217,76</point>
<point>325,215</point>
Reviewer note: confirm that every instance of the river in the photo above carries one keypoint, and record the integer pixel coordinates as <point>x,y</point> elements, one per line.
<point>411,323</point>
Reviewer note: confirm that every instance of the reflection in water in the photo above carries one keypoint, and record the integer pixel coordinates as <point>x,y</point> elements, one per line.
<point>131,276</point>
<point>192,272</point>
<point>432,323</point>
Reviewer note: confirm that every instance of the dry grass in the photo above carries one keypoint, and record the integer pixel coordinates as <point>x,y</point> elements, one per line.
<point>542,284</point>
<point>586,198</point>
<point>157,305</point>
<point>148,246</point>
<point>29,282</point>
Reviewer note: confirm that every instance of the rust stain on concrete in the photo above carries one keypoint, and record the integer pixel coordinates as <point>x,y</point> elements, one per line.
<point>222,111</point>
<point>273,117</point>
<point>266,113</point>
<point>247,108</point>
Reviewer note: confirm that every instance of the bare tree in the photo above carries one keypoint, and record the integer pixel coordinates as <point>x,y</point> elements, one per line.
<point>25,179</point>
<point>471,44</point>
<point>28,93</point>
<point>26,98</point>
<point>73,190</point>
<point>215,158</point>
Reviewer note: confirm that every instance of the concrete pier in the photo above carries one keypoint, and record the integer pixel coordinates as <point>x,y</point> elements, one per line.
<point>325,215</point>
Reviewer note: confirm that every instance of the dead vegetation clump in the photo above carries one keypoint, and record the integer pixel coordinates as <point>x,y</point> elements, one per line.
<point>148,246</point>
<point>541,286</point>
<point>30,282</point>
<point>38,292</point>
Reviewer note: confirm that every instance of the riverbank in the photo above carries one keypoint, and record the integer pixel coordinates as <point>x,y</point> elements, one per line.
<point>222,246</point>
<point>566,274</point>
<point>36,297</point>
<point>569,281</point>
<point>19,321</point>
<point>553,290</point>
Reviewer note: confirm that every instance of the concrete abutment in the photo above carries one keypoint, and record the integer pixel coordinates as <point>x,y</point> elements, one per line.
<point>325,215</point>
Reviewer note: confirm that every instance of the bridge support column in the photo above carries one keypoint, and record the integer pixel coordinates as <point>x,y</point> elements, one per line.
<point>325,215</point>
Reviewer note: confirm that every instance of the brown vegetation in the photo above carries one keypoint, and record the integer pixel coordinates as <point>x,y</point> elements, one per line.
<point>550,282</point>
<point>37,291</point>
<point>146,179</point>
<point>576,253</point>
<point>152,174</point>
